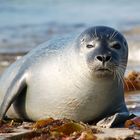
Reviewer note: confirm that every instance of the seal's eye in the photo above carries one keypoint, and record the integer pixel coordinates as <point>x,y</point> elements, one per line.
<point>90,46</point>
<point>116,46</point>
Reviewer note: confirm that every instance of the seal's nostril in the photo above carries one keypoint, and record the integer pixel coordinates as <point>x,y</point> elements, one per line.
<point>100,58</point>
<point>107,58</point>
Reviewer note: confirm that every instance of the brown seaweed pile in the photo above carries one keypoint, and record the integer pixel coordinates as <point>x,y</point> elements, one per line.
<point>132,81</point>
<point>59,129</point>
<point>51,129</point>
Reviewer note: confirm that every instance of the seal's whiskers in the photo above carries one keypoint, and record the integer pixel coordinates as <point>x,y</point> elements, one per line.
<point>131,83</point>
<point>122,67</point>
<point>112,35</point>
<point>119,76</point>
<point>95,33</point>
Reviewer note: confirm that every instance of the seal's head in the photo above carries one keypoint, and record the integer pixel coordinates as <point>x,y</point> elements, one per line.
<point>105,51</point>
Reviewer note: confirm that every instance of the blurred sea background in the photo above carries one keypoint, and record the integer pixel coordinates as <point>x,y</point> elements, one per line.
<point>26,23</point>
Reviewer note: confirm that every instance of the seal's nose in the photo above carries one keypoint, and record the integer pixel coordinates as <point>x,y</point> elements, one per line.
<point>103,58</point>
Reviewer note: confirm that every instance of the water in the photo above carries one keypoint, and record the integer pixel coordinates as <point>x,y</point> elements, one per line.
<point>26,23</point>
<point>121,14</point>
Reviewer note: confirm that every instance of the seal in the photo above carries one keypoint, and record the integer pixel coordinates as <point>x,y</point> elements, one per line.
<point>78,77</point>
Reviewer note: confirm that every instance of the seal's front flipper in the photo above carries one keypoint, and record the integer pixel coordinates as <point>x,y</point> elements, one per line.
<point>117,120</point>
<point>12,92</point>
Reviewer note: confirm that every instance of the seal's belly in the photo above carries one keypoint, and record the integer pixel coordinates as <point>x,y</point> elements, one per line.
<point>63,94</point>
<point>57,101</point>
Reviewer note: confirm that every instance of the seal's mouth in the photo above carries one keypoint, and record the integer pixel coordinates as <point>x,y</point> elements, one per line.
<point>103,70</point>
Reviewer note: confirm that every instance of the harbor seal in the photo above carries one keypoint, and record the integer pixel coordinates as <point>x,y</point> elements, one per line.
<point>78,77</point>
